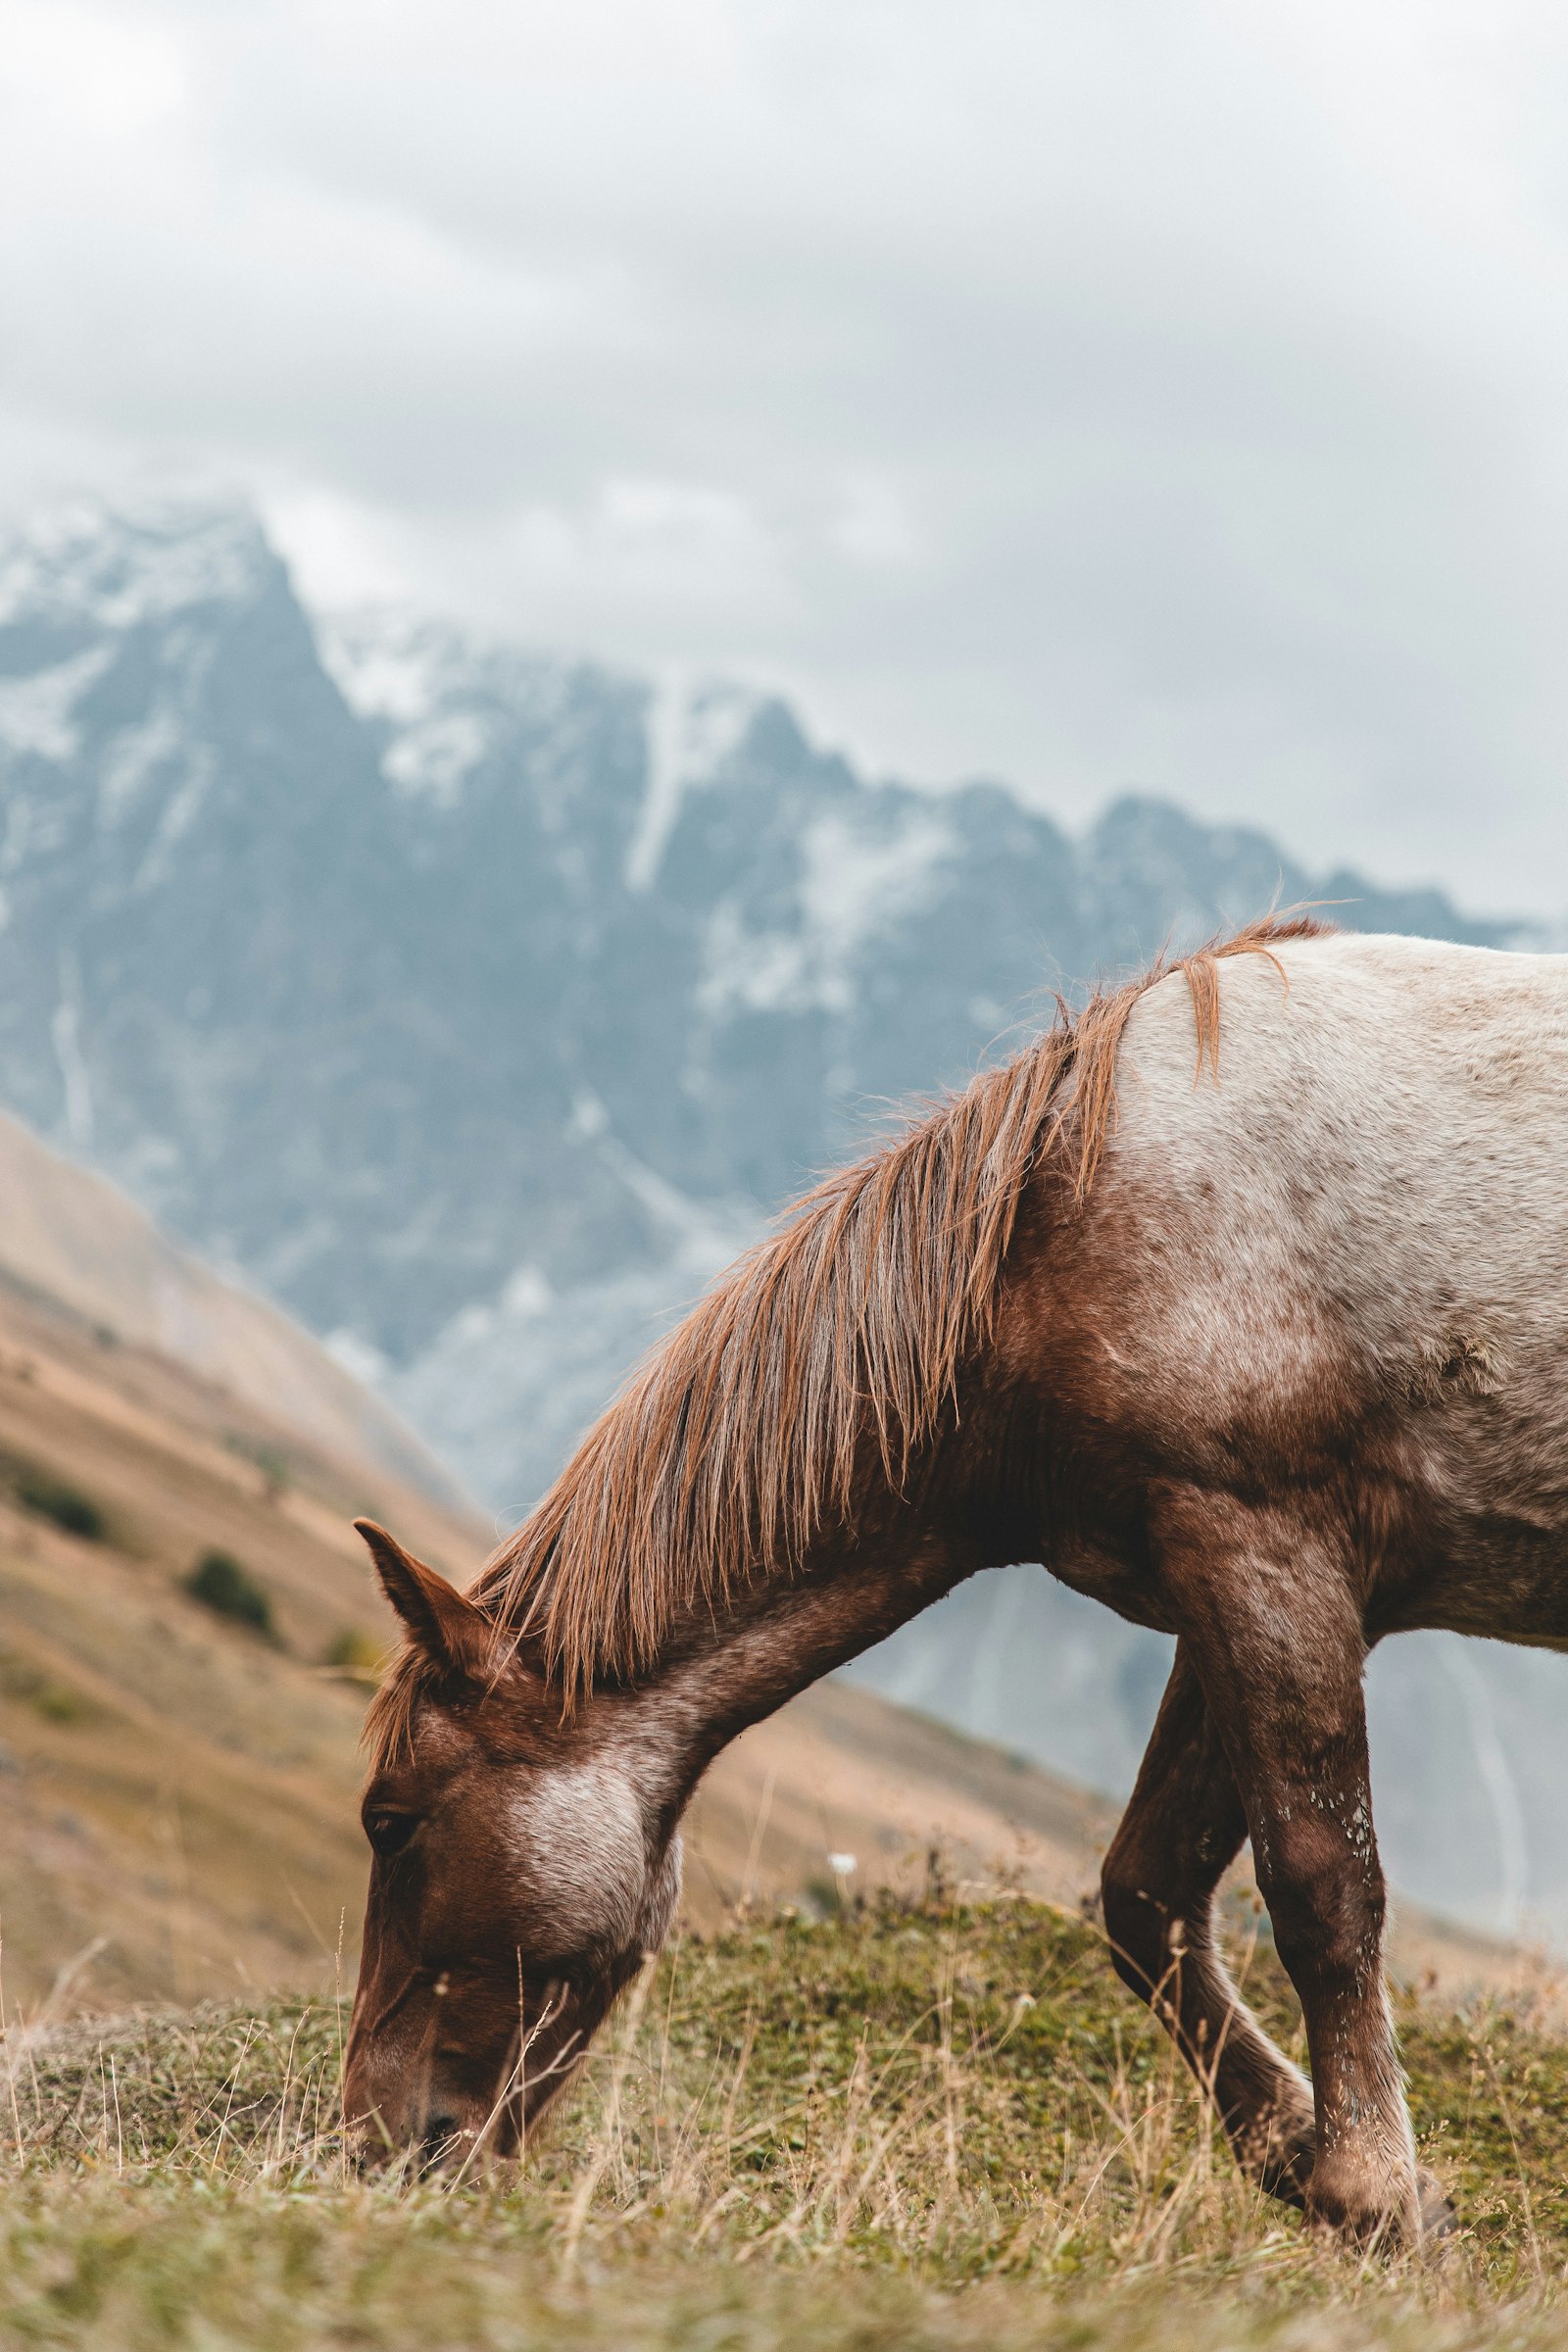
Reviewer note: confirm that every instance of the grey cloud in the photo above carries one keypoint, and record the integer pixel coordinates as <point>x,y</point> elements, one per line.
<point>1142,396</point>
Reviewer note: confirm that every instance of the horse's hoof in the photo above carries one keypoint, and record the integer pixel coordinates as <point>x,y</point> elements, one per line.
<point>1353,2205</point>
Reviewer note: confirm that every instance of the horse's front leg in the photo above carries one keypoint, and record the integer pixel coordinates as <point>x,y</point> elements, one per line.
<point>1270,1617</point>
<point>1184,1823</point>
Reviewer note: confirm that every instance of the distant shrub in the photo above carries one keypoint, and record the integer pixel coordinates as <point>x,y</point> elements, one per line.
<point>56,1701</point>
<point>67,1506</point>
<point>222,1585</point>
<point>355,1651</point>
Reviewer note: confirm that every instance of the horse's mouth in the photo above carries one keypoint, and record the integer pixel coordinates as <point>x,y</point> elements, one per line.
<point>442,2146</point>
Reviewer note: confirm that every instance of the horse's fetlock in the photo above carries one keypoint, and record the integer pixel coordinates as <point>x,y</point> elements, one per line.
<point>1363,2201</point>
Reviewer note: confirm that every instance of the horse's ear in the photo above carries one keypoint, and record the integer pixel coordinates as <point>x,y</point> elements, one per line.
<point>447,1626</point>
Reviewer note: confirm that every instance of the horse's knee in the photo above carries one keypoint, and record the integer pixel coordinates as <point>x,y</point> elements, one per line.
<point>1327,1908</point>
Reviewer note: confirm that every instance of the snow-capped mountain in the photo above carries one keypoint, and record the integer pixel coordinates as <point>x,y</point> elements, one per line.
<point>478,1004</point>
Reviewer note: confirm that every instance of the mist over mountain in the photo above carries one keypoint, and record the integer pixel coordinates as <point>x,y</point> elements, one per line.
<point>478,1005</point>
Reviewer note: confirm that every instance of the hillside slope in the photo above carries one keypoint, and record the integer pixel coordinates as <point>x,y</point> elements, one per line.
<point>68,1237</point>
<point>178,1793</point>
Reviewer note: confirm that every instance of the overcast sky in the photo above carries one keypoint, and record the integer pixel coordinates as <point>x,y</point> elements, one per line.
<point>1170,396</point>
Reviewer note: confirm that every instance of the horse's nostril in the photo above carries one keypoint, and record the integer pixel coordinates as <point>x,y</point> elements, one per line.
<point>440,2139</point>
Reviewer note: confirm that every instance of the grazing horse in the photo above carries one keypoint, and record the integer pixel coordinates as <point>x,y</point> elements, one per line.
<point>1240,1298</point>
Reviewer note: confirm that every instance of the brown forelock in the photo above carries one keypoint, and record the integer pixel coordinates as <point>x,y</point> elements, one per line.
<point>389,1734</point>
<point>743,1431</point>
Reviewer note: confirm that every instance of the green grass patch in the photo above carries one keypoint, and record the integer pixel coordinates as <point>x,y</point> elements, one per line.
<point>905,2127</point>
<point>223,1584</point>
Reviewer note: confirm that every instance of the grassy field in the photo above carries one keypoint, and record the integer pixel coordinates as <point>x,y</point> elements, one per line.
<point>911,2125</point>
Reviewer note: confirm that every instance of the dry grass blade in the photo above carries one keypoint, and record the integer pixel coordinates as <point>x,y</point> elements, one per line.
<point>606,2144</point>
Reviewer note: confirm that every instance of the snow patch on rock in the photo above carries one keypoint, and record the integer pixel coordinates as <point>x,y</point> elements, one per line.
<point>119,568</point>
<point>36,712</point>
<point>864,875</point>
<point>693,734</point>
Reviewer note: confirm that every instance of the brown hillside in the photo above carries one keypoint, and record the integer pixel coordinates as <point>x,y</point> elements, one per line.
<point>72,1240</point>
<point>178,1793</point>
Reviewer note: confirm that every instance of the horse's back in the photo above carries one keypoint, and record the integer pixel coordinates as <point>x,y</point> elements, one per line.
<point>1349,1240</point>
<point>1400,1095</point>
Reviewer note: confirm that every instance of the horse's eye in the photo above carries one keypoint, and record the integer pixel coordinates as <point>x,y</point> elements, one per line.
<point>390,1833</point>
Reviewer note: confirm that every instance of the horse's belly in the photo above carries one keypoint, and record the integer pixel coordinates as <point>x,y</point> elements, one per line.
<point>1493,1502</point>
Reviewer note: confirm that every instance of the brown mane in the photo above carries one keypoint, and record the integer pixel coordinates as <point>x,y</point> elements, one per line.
<point>739,1434</point>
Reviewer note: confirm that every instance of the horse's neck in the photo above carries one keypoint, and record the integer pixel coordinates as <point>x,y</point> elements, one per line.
<point>728,1672</point>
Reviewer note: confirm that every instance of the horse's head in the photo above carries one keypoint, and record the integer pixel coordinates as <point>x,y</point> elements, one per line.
<point>523,1864</point>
